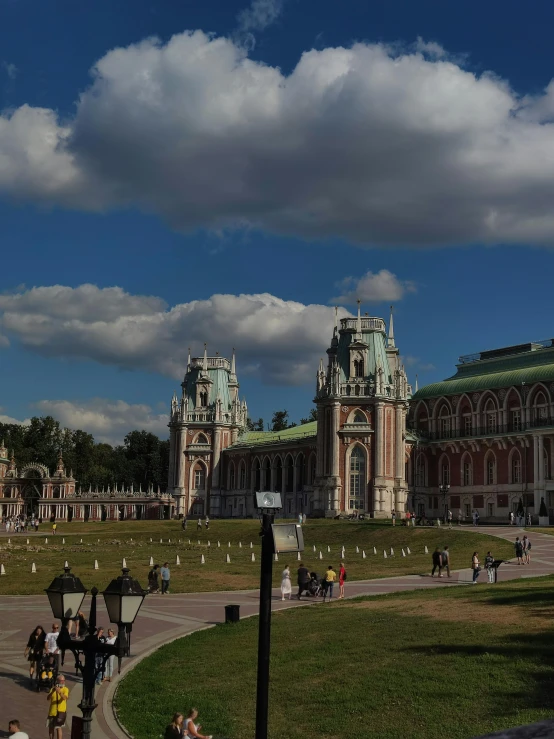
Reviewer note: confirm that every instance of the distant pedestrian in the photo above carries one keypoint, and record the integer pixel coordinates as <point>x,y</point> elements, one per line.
<point>166,574</point>
<point>330,577</point>
<point>407,518</point>
<point>489,560</point>
<point>511,518</point>
<point>35,649</point>
<point>445,556</point>
<point>207,523</point>
<point>36,525</point>
<point>199,525</point>
<point>184,523</point>
<point>437,562</point>
<point>54,527</point>
<point>449,518</point>
<point>475,567</point>
<point>99,656</point>
<point>460,516</point>
<point>303,518</point>
<point>51,642</point>
<point>528,519</point>
<point>518,546</point>
<point>57,712</point>
<point>528,553</point>
<point>300,519</point>
<point>286,587</point>
<point>153,585</point>
<point>192,727</point>
<point>109,667</point>
<point>303,579</point>
<point>176,729</point>
<point>342,579</point>
<point>14,728</point>
<point>475,518</point>
<point>393,514</point>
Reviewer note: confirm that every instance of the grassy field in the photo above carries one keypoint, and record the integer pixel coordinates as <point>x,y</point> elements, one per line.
<point>453,663</point>
<point>110,542</point>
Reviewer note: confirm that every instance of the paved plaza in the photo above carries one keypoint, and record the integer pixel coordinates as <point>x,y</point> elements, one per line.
<point>163,619</point>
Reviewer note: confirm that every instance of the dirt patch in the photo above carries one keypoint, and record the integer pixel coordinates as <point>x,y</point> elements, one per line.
<point>464,609</point>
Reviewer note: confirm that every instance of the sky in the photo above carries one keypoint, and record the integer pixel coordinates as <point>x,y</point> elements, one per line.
<point>175,172</point>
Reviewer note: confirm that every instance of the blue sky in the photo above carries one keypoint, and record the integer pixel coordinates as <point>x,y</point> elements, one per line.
<point>234,183</point>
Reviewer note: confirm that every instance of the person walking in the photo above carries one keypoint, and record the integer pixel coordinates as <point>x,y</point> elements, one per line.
<point>437,562</point>
<point>199,525</point>
<point>528,553</point>
<point>57,713</point>
<point>184,527</point>
<point>303,578</point>
<point>342,578</point>
<point>330,577</point>
<point>14,729</point>
<point>518,546</point>
<point>528,519</point>
<point>153,586</point>
<point>166,575</point>
<point>35,649</point>
<point>286,587</point>
<point>51,642</point>
<point>176,729</point>
<point>511,518</point>
<point>109,666</point>
<point>54,527</point>
<point>207,523</point>
<point>100,664</point>
<point>445,556</point>
<point>460,516</point>
<point>475,567</point>
<point>393,514</point>
<point>489,560</point>
<point>449,518</point>
<point>407,518</point>
<point>192,727</point>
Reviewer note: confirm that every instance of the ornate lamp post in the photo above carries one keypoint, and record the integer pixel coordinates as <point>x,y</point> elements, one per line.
<point>123,598</point>
<point>444,490</point>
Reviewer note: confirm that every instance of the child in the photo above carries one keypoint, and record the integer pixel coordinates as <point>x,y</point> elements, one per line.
<point>489,559</point>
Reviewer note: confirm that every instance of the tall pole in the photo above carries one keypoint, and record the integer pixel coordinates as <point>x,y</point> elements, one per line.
<point>87,704</point>
<point>262,693</point>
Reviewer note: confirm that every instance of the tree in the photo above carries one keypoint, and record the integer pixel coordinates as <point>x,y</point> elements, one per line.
<point>312,417</point>
<point>279,422</point>
<point>255,425</point>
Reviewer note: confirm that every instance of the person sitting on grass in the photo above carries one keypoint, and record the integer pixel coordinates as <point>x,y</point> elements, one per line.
<point>192,727</point>
<point>176,729</point>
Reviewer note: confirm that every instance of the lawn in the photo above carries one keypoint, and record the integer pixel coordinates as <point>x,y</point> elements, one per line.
<point>108,543</point>
<point>453,663</point>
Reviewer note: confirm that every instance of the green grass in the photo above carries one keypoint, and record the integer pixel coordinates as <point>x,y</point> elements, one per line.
<point>110,542</point>
<point>456,663</point>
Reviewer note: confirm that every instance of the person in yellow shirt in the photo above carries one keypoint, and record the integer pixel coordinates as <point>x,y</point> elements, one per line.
<point>57,713</point>
<point>330,577</point>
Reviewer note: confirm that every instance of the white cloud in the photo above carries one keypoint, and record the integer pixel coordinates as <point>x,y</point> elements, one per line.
<point>279,341</point>
<point>10,419</point>
<point>257,17</point>
<point>417,363</point>
<point>371,143</point>
<point>107,420</point>
<point>373,288</point>
<point>10,69</point>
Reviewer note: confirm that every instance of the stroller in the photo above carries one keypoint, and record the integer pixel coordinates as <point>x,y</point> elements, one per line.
<point>315,586</point>
<point>47,672</point>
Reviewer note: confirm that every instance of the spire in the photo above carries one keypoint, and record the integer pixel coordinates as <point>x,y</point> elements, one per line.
<point>233,363</point>
<point>359,321</point>
<point>391,343</point>
<point>205,362</point>
<point>188,360</point>
<point>416,384</point>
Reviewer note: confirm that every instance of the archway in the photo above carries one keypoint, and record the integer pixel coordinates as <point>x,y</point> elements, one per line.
<point>32,492</point>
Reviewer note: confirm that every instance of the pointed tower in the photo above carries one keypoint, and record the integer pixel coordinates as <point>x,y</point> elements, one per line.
<point>208,419</point>
<point>362,402</point>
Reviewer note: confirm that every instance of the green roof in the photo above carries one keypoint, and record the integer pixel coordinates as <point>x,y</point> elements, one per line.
<point>296,433</point>
<point>470,382</point>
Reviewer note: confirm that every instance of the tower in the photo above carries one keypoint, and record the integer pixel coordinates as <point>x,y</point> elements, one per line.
<point>362,400</point>
<point>208,418</point>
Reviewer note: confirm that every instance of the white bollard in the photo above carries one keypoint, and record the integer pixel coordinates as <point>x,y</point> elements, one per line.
<point>46,540</point>
<point>320,555</point>
<point>374,550</point>
<point>357,550</point>
<point>328,548</point>
<point>391,552</point>
<point>10,541</point>
<point>314,548</point>
<point>403,553</point>
<point>251,545</point>
<point>161,541</point>
<point>168,541</point>
<point>177,561</point>
<point>426,550</point>
<point>202,560</point>
<point>198,542</point>
<point>189,541</point>
<point>384,553</point>
<point>276,557</point>
<point>227,558</point>
<point>27,541</point>
<point>218,544</point>
<point>363,554</point>
<point>151,561</point>
<point>81,541</point>
<point>2,570</point>
<point>65,564</point>
<point>240,544</point>
<point>209,545</point>
<point>253,557</point>
<point>33,568</point>
<point>150,540</point>
<point>408,550</point>
<point>438,522</point>
<point>229,544</point>
<point>63,541</point>
<point>124,563</point>
<point>298,557</point>
<point>96,564</point>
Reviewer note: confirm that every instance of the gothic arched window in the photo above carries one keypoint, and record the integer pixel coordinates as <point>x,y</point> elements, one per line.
<point>516,467</point>
<point>242,476</point>
<point>357,479</point>
<point>359,367</point>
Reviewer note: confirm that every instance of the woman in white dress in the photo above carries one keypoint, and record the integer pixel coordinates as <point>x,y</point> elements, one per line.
<point>286,587</point>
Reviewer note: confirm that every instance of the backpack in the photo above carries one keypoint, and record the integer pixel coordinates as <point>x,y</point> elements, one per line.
<point>528,545</point>
<point>344,577</point>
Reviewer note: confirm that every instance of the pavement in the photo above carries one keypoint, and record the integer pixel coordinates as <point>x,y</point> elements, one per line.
<point>165,618</point>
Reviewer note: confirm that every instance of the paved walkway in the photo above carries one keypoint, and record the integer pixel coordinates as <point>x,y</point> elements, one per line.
<point>163,619</point>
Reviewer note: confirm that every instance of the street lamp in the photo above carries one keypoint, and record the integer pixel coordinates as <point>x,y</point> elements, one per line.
<point>123,597</point>
<point>444,490</point>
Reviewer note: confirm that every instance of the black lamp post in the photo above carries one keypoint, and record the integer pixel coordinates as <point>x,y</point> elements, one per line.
<point>123,597</point>
<point>444,490</point>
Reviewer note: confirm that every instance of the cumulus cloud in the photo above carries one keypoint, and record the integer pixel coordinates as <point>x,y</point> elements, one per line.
<point>107,420</point>
<point>373,288</point>
<point>371,143</point>
<point>279,341</point>
<point>10,419</point>
<point>257,17</point>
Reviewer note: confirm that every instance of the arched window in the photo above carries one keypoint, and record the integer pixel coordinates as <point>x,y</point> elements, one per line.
<point>357,390</point>
<point>199,477</point>
<point>540,410</point>
<point>444,422</point>
<point>516,467</point>
<point>278,475</point>
<point>257,475</point>
<point>56,493</point>
<point>242,476</point>
<point>232,476</point>
<point>359,367</point>
<point>490,470</point>
<point>289,475</point>
<point>467,472</point>
<point>359,417</point>
<point>357,479</point>
<point>300,472</point>
<point>445,472</point>
<point>421,471</point>
<point>267,474</point>
<point>202,439</point>
<point>490,417</point>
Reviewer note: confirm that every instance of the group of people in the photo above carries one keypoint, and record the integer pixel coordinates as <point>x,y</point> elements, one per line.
<point>20,524</point>
<point>181,726</point>
<point>518,518</point>
<point>441,561</point>
<point>312,584</point>
<point>156,574</point>
<point>523,550</point>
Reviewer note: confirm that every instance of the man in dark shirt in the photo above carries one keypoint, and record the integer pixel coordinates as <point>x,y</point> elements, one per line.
<point>303,579</point>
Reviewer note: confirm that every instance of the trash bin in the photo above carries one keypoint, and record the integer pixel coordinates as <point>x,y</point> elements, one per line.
<point>232,614</point>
